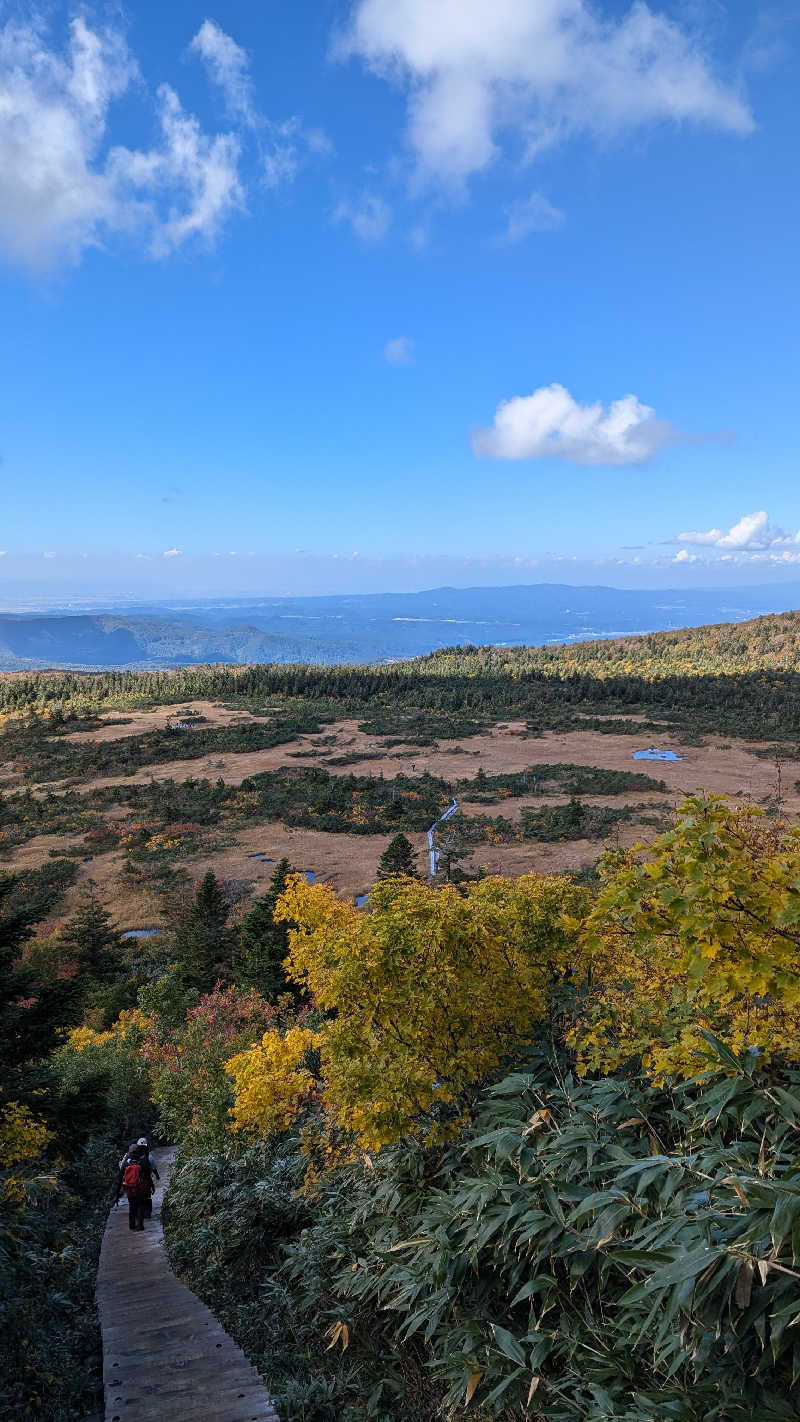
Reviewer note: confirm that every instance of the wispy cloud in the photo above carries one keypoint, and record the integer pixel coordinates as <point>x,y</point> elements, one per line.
<point>198,172</point>
<point>399,351</point>
<point>480,72</point>
<point>531,214</point>
<point>369,216</point>
<point>171,553</point>
<point>229,68</point>
<point>287,146</point>
<point>284,145</point>
<point>550,424</point>
<point>66,185</point>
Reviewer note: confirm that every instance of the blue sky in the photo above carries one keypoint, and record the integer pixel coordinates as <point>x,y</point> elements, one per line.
<point>382,294</point>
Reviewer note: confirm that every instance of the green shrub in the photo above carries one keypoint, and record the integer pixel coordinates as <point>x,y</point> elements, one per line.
<point>594,1250</point>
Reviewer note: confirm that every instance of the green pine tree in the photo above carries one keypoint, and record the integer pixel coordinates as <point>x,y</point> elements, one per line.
<point>203,942</point>
<point>398,858</point>
<point>94,939</point>
<point>32,1013</point>
<point>264,943</point>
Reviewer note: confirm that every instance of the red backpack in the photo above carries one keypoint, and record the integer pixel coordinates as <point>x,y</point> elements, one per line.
<point>134,1180</point>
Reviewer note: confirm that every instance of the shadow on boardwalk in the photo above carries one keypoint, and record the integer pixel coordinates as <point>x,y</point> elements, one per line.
<point>165,1356</point>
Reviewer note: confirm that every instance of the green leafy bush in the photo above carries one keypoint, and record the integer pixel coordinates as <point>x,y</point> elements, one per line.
<point>595,1250</point>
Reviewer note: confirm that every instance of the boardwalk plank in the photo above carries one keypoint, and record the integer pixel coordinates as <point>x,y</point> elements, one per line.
<point>166,1358</point>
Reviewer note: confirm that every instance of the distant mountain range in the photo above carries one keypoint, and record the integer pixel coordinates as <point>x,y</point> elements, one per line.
<point>374,627</point>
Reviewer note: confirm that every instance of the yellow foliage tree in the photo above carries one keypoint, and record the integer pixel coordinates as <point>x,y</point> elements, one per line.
<point>700,932</point>
<point>427,993</point>
<point>270,1081</point>
<point>22,1137</point>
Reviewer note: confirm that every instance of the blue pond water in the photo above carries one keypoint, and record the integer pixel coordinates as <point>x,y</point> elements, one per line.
<point>263,857</point>
<point>362,900</point>
<point>143,933</point>
<point>653,754</point>
<point>308,875</point>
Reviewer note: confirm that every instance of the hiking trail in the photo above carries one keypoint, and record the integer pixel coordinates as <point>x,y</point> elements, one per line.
<point>165,1355</point>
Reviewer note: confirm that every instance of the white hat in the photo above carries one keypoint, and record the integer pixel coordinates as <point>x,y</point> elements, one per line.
<point>142,1140</point>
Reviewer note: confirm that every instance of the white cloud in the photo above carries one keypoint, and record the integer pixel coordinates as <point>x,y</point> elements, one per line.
<point>542,70</point>
<point>369,217</point>
<point>284,145</point>
<point>48,555</point>
<point>281,160</point>
<point>54,198</point>
<point>197,173</point>
<point>684,556</point>
<point>399,351</point>
<point>318,142</point>
<point>229,67</point>
<point>171,553</point>
<point>533,214</point>
<point>752,532</point>
<point>549,423</point>
<point>287,146</point>
<point>64,186</point>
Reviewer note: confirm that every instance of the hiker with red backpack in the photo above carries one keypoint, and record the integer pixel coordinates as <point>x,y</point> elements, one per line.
<point>142,1141</point>
<point>136,1179</point>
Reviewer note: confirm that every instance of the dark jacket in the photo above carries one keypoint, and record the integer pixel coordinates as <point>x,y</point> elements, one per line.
<point>141,1159</point>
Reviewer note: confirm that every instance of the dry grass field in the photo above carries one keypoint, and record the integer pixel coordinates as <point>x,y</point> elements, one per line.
<point>349,861</point>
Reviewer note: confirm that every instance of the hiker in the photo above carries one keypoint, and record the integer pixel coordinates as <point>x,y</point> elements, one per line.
<point>148,1208</point>
<point>136,1179</point>
<point>142,1141</point>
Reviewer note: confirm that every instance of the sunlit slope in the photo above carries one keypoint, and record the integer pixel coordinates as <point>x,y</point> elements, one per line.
<point>769,643</point>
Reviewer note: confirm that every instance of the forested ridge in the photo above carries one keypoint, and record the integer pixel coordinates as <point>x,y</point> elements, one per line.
<point>479,1147</point>
<point>737,678</point>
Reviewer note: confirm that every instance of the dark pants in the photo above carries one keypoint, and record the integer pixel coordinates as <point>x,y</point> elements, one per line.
<point>136,1210</point>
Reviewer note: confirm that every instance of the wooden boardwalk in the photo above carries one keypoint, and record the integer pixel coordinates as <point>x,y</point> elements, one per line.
<point>165,1356</point>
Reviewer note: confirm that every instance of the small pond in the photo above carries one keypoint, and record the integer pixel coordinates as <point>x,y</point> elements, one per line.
<point>362,900</point>
<point>263,858</point>
<point>143,933</point>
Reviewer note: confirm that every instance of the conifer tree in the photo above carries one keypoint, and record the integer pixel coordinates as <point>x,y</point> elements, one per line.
<point>31,1013</point>
<point>398,858</point>
<point>264,943</point>
<point>203,941</point>
<point>93,938</point>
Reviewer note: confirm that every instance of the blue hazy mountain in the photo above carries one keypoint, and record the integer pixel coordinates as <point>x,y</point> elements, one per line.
<point>374,627</point>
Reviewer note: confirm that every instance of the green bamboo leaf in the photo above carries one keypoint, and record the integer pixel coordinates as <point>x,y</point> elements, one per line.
<point>502,1387</point>
<point>542,1283</point>
<point>508,1344</point>
<point>722,1052</point>
<point>787,1210</point>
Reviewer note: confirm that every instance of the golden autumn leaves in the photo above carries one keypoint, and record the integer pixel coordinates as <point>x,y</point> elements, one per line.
<point>701,935</point>
<point>424,996</point>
